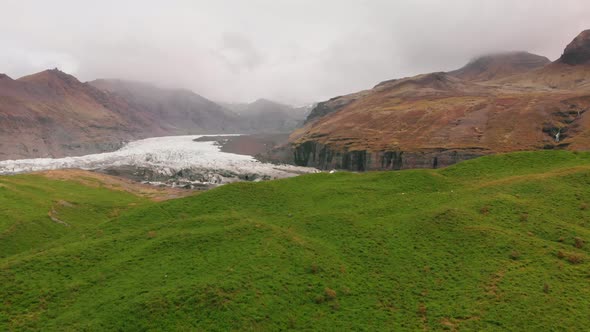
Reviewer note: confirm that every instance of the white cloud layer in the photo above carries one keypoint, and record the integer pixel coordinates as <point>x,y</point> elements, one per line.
<point>294,51</point>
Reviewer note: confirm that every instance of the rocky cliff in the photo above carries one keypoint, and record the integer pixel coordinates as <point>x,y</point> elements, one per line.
<point>324,157</point>
<point>578,51</point>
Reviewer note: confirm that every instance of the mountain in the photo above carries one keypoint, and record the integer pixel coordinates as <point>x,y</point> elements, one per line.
<point>177,111</point>
<point>268,116</point>
<point>578,51</point>
<point>500,65</point>
<point>498,103</point>
<point>53,114</point>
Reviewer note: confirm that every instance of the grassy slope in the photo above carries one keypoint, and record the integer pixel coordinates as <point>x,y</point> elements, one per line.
<point>486,244</point>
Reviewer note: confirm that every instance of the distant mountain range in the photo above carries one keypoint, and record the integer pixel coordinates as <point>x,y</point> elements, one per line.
<point>497,103</point>
<point>53,114</point>
<point>269,116</point>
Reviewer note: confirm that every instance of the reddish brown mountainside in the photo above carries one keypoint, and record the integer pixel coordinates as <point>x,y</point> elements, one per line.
<point>506,103</point>
<point>52,114</point>
<point>176,111</point>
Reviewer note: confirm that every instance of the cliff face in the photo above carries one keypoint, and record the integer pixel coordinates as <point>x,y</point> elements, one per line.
<point>505,104</point>
<point>323,157</point>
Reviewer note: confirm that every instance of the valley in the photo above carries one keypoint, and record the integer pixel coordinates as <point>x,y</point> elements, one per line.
<point>295,166</point>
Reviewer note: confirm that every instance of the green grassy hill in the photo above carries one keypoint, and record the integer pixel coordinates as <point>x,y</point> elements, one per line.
<point>496,243</point>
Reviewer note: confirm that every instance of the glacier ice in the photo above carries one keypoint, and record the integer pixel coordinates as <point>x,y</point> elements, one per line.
<point>166,156</point>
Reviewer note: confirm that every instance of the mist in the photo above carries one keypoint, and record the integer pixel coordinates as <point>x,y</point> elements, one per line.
<point>293,51</point>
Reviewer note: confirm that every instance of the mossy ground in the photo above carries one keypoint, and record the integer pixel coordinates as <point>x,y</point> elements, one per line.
<point>496,243</point>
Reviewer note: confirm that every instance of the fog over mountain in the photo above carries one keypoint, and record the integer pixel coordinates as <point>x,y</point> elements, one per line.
<point>291,51</point>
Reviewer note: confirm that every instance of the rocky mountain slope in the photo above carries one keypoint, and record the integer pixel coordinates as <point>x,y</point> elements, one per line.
<point>177,111</point>
<point>498,103</point>
<point>53,114</point>
<point>495,66</point>
<point>578,51</point>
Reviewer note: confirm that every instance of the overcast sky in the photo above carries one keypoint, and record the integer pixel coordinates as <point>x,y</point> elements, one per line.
<point>295,51</point>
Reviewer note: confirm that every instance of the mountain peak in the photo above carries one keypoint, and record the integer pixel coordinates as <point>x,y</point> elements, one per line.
<point>578,51</point>
<point>498,65</point>
<point>436,80</point>
<point>263,101</point>
<point>50,75</point>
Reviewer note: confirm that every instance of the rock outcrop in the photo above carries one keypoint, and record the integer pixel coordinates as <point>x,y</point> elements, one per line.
<point>337,103</point>
<point>578,51</point>
<point>324,157</point>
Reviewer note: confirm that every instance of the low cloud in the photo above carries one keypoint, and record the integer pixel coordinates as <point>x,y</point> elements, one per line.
<point>295,51</point>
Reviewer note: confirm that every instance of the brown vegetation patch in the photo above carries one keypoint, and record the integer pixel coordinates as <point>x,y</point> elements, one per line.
<point>492,287</point>
<point>571,257</point>
<point>330,294</point>
<point>454,323</point>
<point>93,179</point>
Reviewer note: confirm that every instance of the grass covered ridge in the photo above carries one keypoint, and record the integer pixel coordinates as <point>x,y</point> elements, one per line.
<point>495,243</point>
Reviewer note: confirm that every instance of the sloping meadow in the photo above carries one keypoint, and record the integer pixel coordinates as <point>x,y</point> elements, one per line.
<point>495,243</point>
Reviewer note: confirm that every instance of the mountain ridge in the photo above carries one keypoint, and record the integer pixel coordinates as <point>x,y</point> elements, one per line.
<point>437,119</point>
<point>498,65</point>
<point>53,114</point>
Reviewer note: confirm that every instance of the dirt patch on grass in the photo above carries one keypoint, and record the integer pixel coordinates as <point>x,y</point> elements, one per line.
<point>96,180</point>
<point>53,216</point>
<point>453,324</point>
<point>492,287</point>
<point>65,203</point>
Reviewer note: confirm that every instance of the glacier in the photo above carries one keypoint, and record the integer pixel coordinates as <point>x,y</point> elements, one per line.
<point>171,160</point>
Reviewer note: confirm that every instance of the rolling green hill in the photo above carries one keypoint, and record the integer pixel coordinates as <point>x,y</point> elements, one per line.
<point>495,243</point>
